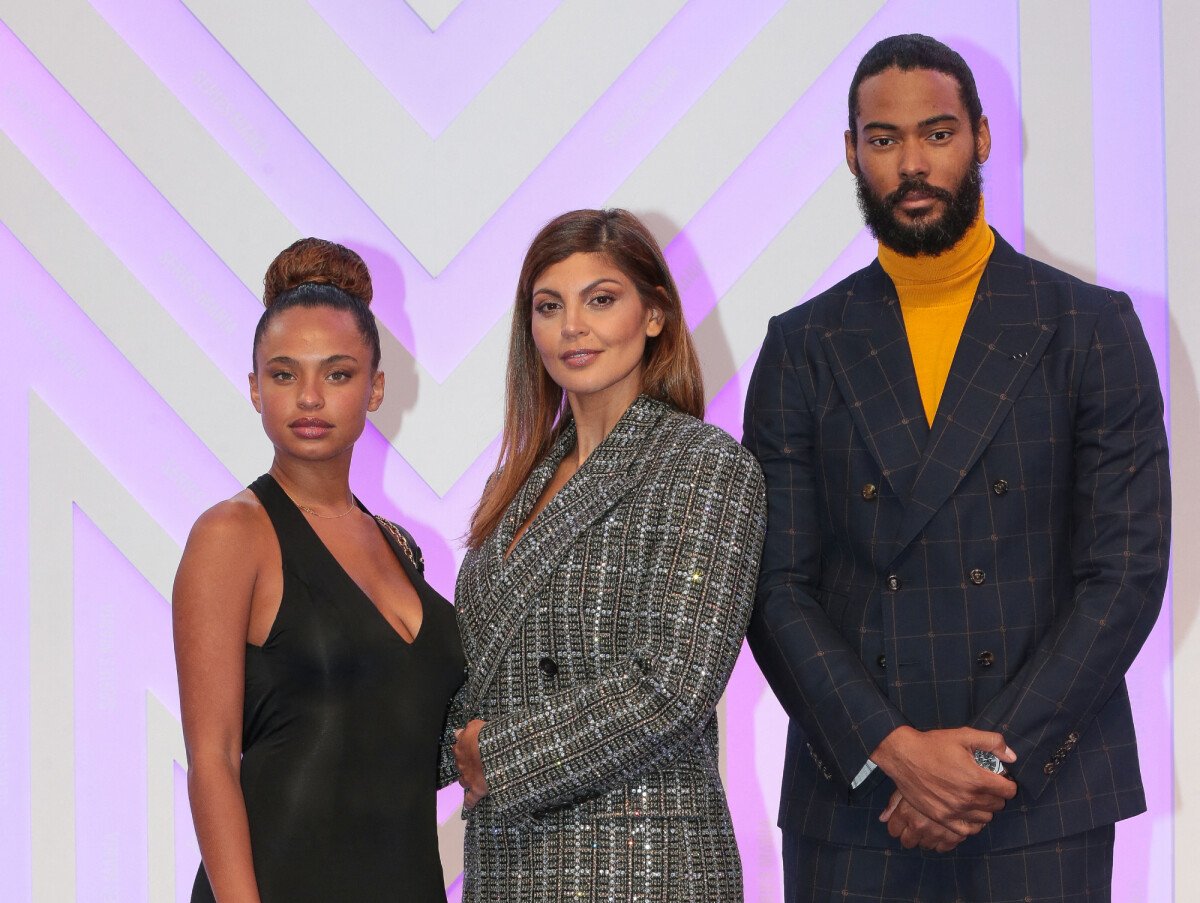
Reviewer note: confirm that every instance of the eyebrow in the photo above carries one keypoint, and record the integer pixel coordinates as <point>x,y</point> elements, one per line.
<point>332,359</point>
<point>924,123</point>
<point>587,288</point>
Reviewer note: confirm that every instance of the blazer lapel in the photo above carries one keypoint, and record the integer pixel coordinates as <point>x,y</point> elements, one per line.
<point>873,367</point>
<point>486,602</point>
<point>609,473</point>
<point>1002,342</point>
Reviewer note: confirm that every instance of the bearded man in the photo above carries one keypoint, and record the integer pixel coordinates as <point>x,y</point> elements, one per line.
<point>968,533</point>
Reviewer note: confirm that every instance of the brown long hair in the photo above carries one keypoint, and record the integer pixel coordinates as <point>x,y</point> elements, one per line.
<point>535,410</point>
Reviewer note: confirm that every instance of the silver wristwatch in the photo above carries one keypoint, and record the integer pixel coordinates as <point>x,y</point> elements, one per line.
<point>989,761</point>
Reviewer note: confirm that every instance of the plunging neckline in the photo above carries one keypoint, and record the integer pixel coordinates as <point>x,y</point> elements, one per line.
<point>404,566</point>
<point>507,544</point>
<point>518,534</point>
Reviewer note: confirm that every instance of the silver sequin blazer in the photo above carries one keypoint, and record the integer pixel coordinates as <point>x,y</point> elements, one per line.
<point>599,650</point>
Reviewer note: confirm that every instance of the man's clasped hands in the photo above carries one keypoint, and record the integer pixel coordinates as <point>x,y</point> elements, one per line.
<point>942,795</point>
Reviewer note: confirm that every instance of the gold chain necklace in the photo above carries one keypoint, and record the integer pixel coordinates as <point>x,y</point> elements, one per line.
<point>308,510</point>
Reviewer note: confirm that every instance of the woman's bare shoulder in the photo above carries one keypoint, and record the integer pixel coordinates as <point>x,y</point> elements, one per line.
<point>237,523</point>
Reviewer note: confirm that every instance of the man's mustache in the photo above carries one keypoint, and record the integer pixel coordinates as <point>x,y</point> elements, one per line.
<point>915,186</point>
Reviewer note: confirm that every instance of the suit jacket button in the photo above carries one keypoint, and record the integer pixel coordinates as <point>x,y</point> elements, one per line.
<point>893,582</point>
<point>1000,487</point>
<point>977,576</point>
<point>882,662</point>
<point>548,666</point>
<point>985,659</point>
<point>870,491</point>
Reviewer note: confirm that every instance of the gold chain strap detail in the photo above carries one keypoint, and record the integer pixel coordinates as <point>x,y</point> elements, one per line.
<point>403,541</point>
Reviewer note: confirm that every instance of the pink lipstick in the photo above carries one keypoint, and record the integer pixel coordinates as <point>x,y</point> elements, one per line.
<point>579,357</point>
<point>310,427</point>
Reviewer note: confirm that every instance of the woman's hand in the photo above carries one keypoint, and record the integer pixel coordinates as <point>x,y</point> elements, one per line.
<point>470,766</point>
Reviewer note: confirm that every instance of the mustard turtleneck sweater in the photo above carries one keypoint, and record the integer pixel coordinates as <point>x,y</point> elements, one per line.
<point>935,297</point>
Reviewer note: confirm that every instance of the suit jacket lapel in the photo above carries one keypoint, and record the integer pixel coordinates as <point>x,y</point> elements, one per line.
<point>490,600</point>
<point>1002,342</point>
<point>873,367</point>
<point>609,473</point>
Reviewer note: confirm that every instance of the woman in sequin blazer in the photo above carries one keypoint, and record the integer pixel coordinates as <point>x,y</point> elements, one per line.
<point>603,601</point>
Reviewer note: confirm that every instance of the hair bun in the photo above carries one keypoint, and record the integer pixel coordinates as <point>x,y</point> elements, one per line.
<point>315,260</point>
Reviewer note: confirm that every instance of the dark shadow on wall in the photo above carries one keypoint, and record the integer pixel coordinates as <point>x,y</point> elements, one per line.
<point>699,303</point>
<point>395,336</point>
<point>742,704</point>
<point>1002,179</point>
<point>400,396</point>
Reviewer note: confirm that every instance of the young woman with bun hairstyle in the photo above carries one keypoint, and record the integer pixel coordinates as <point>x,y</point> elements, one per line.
<point>608,583</point>
<point>315,663</point>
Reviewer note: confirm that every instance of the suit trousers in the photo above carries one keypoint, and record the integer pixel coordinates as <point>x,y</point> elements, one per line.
<point>1076,869</point>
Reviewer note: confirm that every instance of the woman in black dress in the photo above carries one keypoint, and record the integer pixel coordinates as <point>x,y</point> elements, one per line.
<point>315,662</point>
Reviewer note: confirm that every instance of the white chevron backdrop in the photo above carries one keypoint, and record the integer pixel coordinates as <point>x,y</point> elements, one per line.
<point>156,154</point>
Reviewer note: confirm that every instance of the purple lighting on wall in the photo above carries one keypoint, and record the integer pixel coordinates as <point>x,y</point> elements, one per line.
<point>121,654</point>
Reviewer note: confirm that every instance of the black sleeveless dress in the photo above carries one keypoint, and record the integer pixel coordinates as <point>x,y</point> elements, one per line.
<point>341,729</point>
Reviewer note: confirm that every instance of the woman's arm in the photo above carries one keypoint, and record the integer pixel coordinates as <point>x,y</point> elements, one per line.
<point>456,720</point>
<point>211,613</point>
<point>650,705</point>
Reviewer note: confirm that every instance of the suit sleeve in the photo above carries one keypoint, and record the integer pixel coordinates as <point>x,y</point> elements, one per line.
<point>650,705</point>
<point>1120,550</point>
<point>817,676</point>
<point>456,719</point>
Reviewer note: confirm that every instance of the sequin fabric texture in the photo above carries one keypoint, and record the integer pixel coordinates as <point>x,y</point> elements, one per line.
<point>597,653</point>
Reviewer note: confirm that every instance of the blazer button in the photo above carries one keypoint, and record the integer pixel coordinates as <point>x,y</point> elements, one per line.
<point>548,666</point>
<point>893,582</point>
<point>882,662</point>
<point>977,576</point>
<point>1000,487</point>
<point>870,491</point>
<point>985,659</point>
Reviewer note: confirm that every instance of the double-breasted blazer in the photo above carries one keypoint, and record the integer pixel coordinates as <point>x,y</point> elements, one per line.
<point>597,653</point>
<point>999,570</point>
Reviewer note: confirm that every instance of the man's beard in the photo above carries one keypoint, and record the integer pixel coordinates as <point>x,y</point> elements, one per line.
<point>911,239</point>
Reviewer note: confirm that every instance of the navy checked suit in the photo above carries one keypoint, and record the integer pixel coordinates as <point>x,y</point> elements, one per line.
<point>999,570</point>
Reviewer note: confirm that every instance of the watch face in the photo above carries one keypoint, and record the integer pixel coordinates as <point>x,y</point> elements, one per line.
<point>988,760</point>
